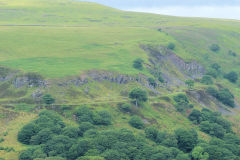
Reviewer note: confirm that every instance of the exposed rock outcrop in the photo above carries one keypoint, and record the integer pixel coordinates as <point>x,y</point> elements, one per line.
<point>165,57</point>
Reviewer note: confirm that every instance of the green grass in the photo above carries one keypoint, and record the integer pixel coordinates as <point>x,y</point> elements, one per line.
<point>72,39</point>
<point>62,38</point>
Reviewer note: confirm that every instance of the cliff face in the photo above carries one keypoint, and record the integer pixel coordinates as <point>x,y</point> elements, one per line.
<point>174,69</point>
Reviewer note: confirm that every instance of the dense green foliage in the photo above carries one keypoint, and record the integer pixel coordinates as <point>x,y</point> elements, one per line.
<point>136,122</point>
<point>207,80</point>
<point>215,47</point>
<point>138,95</point>
<point>171,46</point>
<point>190,83</point>
<point>138,64</point>
<point>48,99</point>
<point>231,76</point>
<point>84,114</point>
<point>223,95</point>
<point>182,102</point>
<point>152,82</point>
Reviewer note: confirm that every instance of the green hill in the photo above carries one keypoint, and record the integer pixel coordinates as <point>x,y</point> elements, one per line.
<point>82,54</point>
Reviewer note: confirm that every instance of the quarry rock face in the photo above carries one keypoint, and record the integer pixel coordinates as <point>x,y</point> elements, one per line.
<point>165,57</point>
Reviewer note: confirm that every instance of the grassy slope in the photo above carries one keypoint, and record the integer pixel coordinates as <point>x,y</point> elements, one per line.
<point>74,39</point>
<point>78,36</point>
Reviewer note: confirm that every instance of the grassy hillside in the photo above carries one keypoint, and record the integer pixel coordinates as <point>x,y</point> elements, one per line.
<point>60,38</point>
<point>82,52</point>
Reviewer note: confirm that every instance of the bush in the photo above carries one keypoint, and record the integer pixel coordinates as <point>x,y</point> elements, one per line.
<point>190,83</point>
<point>42,136</point>
<point>232,53</point>
<point>207,80</point>
<point>138,64</point>
<point>187,139</point>
<point>85,126</point>
<point>215,47</point>
<point>160,79</point>
<point>102,118</point>
<point>84,114</point>
<point>48,99</point>
<point>213,129</point>
<point>232,77</point>
<point>195,116</point>
<point>152,82</point>
<point>213,73</point>
<point>125,107</point>
<point>181,99</point>
<point>226,97</point>
<point>171,46</point>
<point>212,91</point>
<point>26,133</point>
<point>71,132</point>
<point>216,67</point>
<point>136,122</point>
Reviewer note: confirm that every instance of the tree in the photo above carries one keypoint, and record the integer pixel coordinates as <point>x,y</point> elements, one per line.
<point>71,132</point>
<point>48,99</point>
<point>26,133</point>
<point>102,118</point>
<point>216,66</point>
<point>138,95</point>
<point>195,116</point>
<point>212,91</point>
<point>171,46</point>
<point>84,114</point>
<point>187,139</point>
<point>190,83</point>
<point>226,97</point>
<point>138,64</point>
<point>85,126</point>
<point>199,154</point>
<point>231,76</point>
<point>136,122</point>
<point>215,47</point>
<point>207,80</point>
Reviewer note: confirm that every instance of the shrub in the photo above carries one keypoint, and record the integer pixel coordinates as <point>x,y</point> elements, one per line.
<point>71,132</point>
<point>232,53</point>
<point>152,82</point>
<point>190,83</point>
<point>215,47</point>
<point>83,127</point>
<point>213,129</point>
<point>102,118</point>
<point>138,64</point>
<point>187,139</point>
<point>136,122</point>
<point>125,107</point>
<point>48,99</point>
<point>213,73</point>
<point>84,114</point>
<point>226,97</point>
<point>151,133</point>
<point>212,91</point>
<point>207,80</point>
<point>181,99</point>
<point>232,77</point>
<point>171,46</point>
<point>26,133</point>
<point>160,79</point>
<point>42,136</point>
<point>195,116</point>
